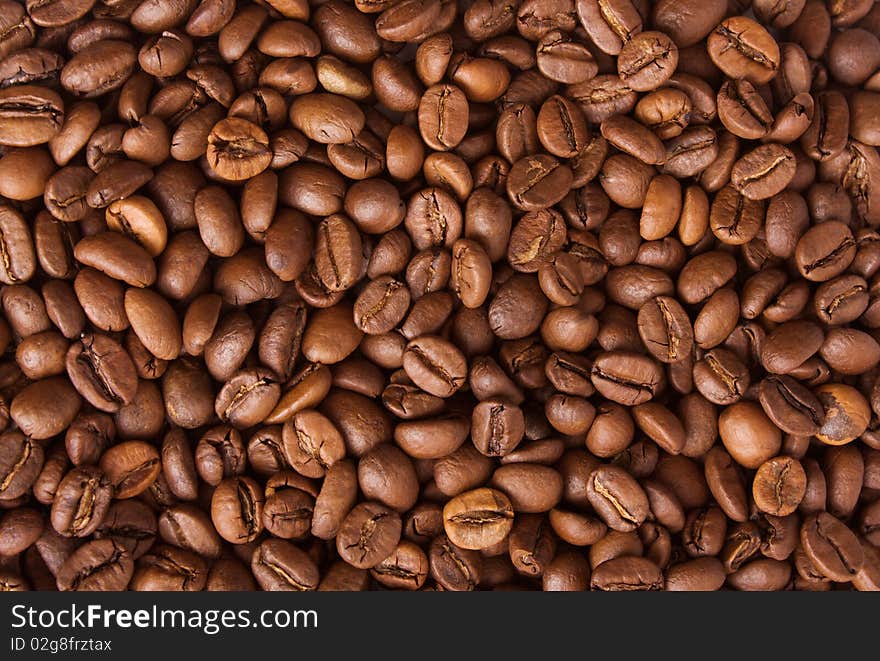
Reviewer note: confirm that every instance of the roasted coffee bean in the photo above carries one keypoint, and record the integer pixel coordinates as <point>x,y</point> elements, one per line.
<point>497,427</point>
<point>748,434</point>
<point>368,535</point>
<point>435,365</point>
<point>387,475</point>
<point>789,345</point>
<point>532,488</point>
<point>610,26</point>
<point>846,413</point>
<point>742,48</point>
<point>29,115</point>
<point>617,498</point>
<point>627,378</point>
<point>98,565</point>
<point>189,527</point>
<point>764,171</point>
<point>131,467</point>
<point>665,329</point>
<point>478,519</point>
<point>81,501</point>
<point>779,486</point>
<point>237,509</point>
<point>312,443</point>
<point>626,574</point>
<point>790,405</point>
<point>538,182</point>
<point>279,565</point>
<point>102,372</point>
<point>825,251</point>
<point>647,60</point>
<point>22,460</point>
<point>831,547</point>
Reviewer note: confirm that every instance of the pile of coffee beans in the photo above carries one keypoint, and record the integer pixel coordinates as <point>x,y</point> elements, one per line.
<point>439,294</point>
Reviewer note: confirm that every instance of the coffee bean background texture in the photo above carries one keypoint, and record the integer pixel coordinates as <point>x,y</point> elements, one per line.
<point>439,295</point>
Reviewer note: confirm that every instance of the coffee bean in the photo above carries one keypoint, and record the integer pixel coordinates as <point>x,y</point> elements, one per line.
<point>387,475</point>
<point>831,547</point>
<point>102,565</point>
<point>497,427</point>
<point>665,329</point>
<point>748,434</point>
<point>627,378</point>
<point>617,498</point>
<point>764,171</point>
<point>312,443</point>
<point>279,565</point>
<point>102,372</point>
<point>626,574</point>
<point>22,459</point>
<point>435,365</point>
<point>779,486</point>
<point>532,488</point>
<point>610,25</point>
<point>742,48</point>
<point>725,481</point>
<point>647,60</point>
<point>29,115</point>
<point>190,528</point>
<point>538,182</point>
<point>368,535</point>
<point>131,467</point>
<point>478,519</point>
<point>631,137</point>
<point>791,406</point>
<point>825,251</point>
<point>846,413</point>
<point>237,509</point>
<point>81,502</point>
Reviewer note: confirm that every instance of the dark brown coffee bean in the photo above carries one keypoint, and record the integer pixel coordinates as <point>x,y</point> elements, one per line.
<point>435,365</point>
<point>102,564</point>
<point>790,405</point>
<point>627,378</point>
<point>626,574</point>
<point>741,48</point>
<point>609,25</point>
<point>779,486</point>
<point>764,171</point>
<point>831,547</point>
<point>647,60</point>
<point>665,329</point>
<point>497,427</point>
<point>532,488</point>
<point>368,535</point>
<point>81,501</point>
<point>538,182</point>
<point>279,565</point>
<point>387,475</point>
<point>22,459</point>
<point>312,443</point>
<point>237,509</point>
<point>102,372</point>
<point>790,345</point>
<point>478,519</point>
<point>825,251</point>
<point>617,498</point>
<point>748,434</point>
